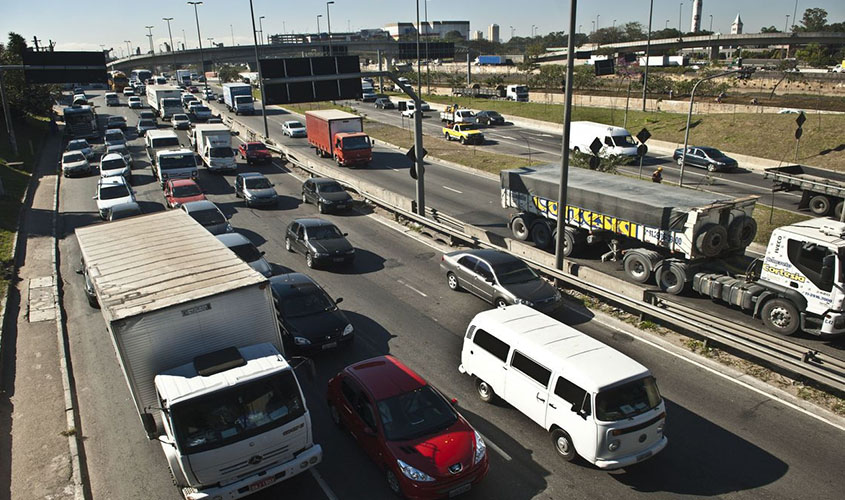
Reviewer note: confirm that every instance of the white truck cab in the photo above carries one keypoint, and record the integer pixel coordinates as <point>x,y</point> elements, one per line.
<point>594,401</point>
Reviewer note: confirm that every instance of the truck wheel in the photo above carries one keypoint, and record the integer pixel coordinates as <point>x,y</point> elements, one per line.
<point>541,235</point>
<point>519,229</point>
<point>637,267</point>
<point>741,232</point>
<point>820,205</point>
<point>485,392</point>
<point>563,445</point>
<point>711,240</point>
<point>568,242</point>
<point>780,316</point>
<point>837,210</point>
<point>671,278</point>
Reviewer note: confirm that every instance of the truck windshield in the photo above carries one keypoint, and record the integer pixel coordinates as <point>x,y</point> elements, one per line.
<point>165,142</point>
<point>243,99</point>
<point>359,142</point>
<point>221,152</point>
<point>79,118</point>
<point>624,141</point>
<point>177,161</point>
<point>231,415</point>
<point>627,400</point>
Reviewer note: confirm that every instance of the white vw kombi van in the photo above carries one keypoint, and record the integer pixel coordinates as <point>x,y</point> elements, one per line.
<point>593,400</point>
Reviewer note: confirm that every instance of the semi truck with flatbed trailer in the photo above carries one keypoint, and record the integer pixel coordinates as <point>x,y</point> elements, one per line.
<point>196,336</point>
<point>238,98</point>
<point>339,135</point>
<point>822,191</point>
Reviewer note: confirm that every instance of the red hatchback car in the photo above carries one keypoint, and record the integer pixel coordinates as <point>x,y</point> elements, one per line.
<point>255,152</point>
<point>413,433</point>
<point>179,191</point>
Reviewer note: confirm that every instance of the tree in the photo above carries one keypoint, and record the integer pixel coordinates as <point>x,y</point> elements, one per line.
<point>229,73</point>
<point>34,99</point>
<point>814,19</point>
<point>815,55</point>
<point>454,36</point>
<point>633,31</point>
<point>550,76</point>
<point>770,29</point>
<point>606,35</point>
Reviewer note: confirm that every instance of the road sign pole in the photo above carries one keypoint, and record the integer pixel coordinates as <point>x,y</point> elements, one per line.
<point>260,76</point>
<point>12,140</point>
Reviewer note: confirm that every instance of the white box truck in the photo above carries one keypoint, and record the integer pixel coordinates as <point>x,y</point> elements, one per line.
<point>238,98</point>
<point>165,100</point>
<point>214,145</point>
<point>198,342</point>
<point>183,76</point>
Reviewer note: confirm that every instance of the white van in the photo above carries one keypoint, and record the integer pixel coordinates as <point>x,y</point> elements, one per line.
<point>594,401</point>
<point>615,140</point>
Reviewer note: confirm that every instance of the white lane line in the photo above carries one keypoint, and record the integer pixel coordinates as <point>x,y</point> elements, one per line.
<point>507,137</point>
<point>545,135</point>
<point>496,448</point>
<point>412,288</point>
<point>453,190</point>
<point>323,484</point>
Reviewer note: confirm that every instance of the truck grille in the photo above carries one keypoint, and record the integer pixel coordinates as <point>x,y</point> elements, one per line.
<point>268,459</point>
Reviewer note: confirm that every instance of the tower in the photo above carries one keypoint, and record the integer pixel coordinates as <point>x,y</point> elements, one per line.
<point>736,26</point>
<point>493,33</point>
<point>695,26</point>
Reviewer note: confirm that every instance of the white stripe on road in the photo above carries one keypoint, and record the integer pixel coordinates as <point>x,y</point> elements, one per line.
<point>412,288</point>
<point>453,190</point>
<point>323,484</point>
<point>508,137</point>
<point>496,448</point>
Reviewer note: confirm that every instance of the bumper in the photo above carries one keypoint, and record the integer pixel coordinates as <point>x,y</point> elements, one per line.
<point>331,259</point>
<point>68,172</point>
<point>221,168</point>
<point>422,491</point>
<point>265,201</point>
<point>259,159</point>
<point>265,479</point>
<point>548,307</point>
<point>334,343</point>
<point>633,459</point>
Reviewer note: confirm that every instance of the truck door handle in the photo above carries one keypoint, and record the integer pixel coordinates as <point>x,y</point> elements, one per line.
<point>539,398</point>
<point>552,406</point>
<point>793,284</point>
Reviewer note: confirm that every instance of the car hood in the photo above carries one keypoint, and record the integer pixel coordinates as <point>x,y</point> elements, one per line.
<point>534,291</point>
<point>317,326</point>
<point>262,193</point>
<point>337,245</point>
<point>436,453</point>
<point>335,197</point>
<point>75,164</point>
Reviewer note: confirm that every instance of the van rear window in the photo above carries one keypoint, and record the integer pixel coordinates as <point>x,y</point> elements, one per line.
<point>491,344</point>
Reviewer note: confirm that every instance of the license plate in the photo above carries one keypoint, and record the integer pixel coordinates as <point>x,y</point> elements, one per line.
<point>642,457</point>
<point>330,345</point>
<point>262,484</point>
<point>341,207</point>
<point>460,490</point>
<point>338,259</point>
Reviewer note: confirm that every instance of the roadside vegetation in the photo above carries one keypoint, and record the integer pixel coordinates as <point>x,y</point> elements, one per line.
<point>768,219</point>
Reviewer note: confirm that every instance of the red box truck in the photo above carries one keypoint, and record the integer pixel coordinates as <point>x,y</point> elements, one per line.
<point>339,135</point>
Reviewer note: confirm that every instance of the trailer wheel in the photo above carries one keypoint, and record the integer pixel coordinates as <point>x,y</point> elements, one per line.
<point>837,210</point>
<point>820,205</point>
<point>780,316</point>
<point>541,235</point>
<point>572,241</point>
<point>519,229</point>
<point>637,267</point>
<point>711,240</point>
<point>741,232</point>
<point>671,278</point>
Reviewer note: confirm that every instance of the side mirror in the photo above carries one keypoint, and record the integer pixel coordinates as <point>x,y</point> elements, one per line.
<point>149,424</point>
<point>345,234</point>
<point>338,300</point>
<point>261,253</point>
<point>454,401</point>
<point>94,197</point>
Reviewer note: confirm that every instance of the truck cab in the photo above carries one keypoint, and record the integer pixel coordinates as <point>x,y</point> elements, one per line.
<point>218,155</point>
<point>517,93</point>
<point>352,148</point>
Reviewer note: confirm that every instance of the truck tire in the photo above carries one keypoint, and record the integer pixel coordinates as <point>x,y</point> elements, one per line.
<point>711,240</point>
<point>671,278</point>
<point>837,210</point>
<point>573,240</point>
<point>637,267</point>
<point>780,316</point>
<point>520,229</point>
<point>741,232</point>
<point>541,235</point>
<point>820,205</point>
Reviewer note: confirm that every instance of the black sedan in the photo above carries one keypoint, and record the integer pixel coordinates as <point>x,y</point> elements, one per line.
<point>489,118</point>
<point>710,158</point>
<point>320,241</point>
<point>327,194</point>
<point>384,103</point>
<point>308,317</point>
<point>499,278</point>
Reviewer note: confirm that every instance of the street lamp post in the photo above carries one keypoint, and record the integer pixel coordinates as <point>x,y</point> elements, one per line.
<point>786,25</point>
<point>199,41</point>
<point>593,22</point>
<point>614,23</point>
<point>260,75</point>
<point>418,135</point>
<point>427,55</point>
<point>318,24</point>
<point>648,50</point>
<point>184,41</point>
<point>680,13</point>
<point>666,26</point>
<point>794,14</point>
<point>512,31</point>
<point>329,24</point>
<point>261,31</point>
<point>597,21</point>
<point>232,31</point>
<point>170,33</point>
<point>150,29</point>
<point>128,48</point>
<point>711,23</point>
<point>532,31</point>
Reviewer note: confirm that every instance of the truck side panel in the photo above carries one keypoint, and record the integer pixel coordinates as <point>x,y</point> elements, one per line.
<point>318,133</point>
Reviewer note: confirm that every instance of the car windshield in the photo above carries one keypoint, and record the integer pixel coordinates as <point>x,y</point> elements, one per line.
<point>147,115</point>
<point>358,142</point>
<point>247,252</point>
<point>414,414</point>
<point>627,400</point>
<point>201,109</point>
<point>180,118</point>
<point>295,125</point>
<point>172,161</point>
<point>113,192</point>
<point>624,141</point>
<point>208,217</point>
<point>329,188</point>
<point>306,299</point>
<point>186,190</point>
<point>113,135</point>
<point>511,273</point>
<point>255,146</point>
<point>116,119</point>
<point>75,157</point>
<point>146,123</point>
<point>165,142</point>
<point>257,183</point>
<point>112,164</point>
<point>493,114</point>
<point>117,148</point>
<point>227,416</point>
<point>76,145</point>
<point>323,232</point>
<point>222,152</point>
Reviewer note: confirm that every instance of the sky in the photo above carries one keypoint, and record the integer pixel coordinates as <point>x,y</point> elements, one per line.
<point>88,24</point>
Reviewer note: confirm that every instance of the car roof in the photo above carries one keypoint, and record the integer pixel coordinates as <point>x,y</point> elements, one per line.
<point>283,283</point>
<point>313,222</point>
<point>492,256</point>
<point>323,180</point>
<point>385,377</point>
<point>111,156</point>
<point>116,117</point>
<point>293,122</point>
<point>233,239</point>
<point>77,141</point>
<point>114,131</point>
<point>194,206</point>
<point>114,180</point>
<point>246,175</point>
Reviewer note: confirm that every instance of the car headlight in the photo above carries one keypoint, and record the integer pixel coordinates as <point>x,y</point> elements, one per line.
<point>348,330</point>
<point>480,448</point>
<point>249,196</point>
<point>350,251</point>
<point>613,445</point>
<point>319,254</point>
<point>301,341</point>
<point>413,473</point>
<point>525,302</point>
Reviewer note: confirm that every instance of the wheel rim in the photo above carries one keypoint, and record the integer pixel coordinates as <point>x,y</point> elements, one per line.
<point>287,243</point>
<point>309,261</point>
<point>780,317</point>
<point>563,446</point>
<point>637,269</point>
<point>453,281</point>
<point>392,482</point>
<point>669,279</point>
<point>484,390</point>
<point>501,304</point>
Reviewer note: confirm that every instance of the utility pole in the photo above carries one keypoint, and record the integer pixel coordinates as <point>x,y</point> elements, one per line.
<point>12,140</point>
<point>172,47</point>
<point>567,118</point>
<point>261,30</point>
<point>418,140</point>
<point>232,31</point>
<point>427,55</point>
<point>150,29</point>
<point>128,48</point>
<point>329,23</point>
<point>260,75</point>
<point>680,13</point>
<point>647,50</point>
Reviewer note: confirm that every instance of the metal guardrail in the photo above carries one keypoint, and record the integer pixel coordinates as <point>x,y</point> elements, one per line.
<point>777,352</point>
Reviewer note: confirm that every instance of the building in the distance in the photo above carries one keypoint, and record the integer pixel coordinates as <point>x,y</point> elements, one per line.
<point>736,26</point>
<point>477,35</point>
<point>493,32</point>
<point>432,29</point>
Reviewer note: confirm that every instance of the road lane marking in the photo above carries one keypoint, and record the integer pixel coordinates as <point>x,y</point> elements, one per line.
<point>453,190</point>
<point>507,137</point>
<point>496,448</point>
<point>323,484</point>
<point>412,288</point>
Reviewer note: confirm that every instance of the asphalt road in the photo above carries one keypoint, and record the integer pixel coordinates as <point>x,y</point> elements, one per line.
<point>724,440</point>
